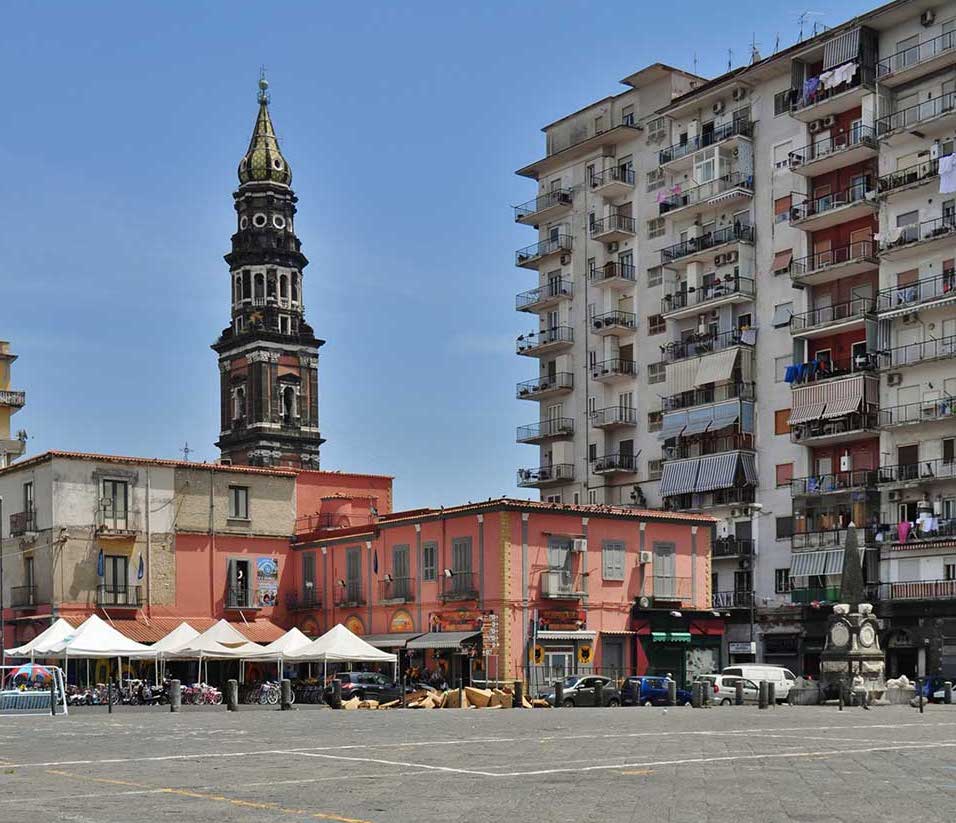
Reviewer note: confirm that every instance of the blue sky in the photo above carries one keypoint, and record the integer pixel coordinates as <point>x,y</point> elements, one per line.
<point>123,126</point>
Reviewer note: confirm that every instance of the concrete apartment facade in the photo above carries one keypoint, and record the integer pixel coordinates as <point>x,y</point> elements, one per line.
<point>744,308</point>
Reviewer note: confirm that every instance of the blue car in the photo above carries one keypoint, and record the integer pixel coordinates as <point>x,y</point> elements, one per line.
<point>649,691</point>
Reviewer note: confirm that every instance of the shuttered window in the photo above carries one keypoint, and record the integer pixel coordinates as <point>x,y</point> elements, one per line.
<point>612,560</point>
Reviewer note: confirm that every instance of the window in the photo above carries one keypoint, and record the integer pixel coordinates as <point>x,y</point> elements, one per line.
<point>657,124</point>
<point>553,498</point>
<point>28,500</point>
<point>612,560</point>
<point>781,581</point>
<point>655,421</point>
<point>781,102</point>
<point>308,577</point>
<point>656,373</point>
<point>627,115</point>
<point>656,324</point>
<point>782,261</point>
<point>239,502</point>
<point>781,155</point>
<point>784,474</point>
<point>116,588</point>
<point>655,179</point>
<point>784,527</point>
<point>592,497</point>
<point>592,452</point>
<point>655,276</point>
<point>782,312</point>
<point>745,321</point>
<point>655,468</point>
<point>949,450</point>
<point>238,584</point>
<point>780,365</point>
<point>592,266</point>
<point>781,423</point>
<point>461,580</point>
<point>429,561</point>
<point>592,405</point>
<point>115,504</point>
<point>576,498</point>
<point>781,209</point>
<point>949,571</point>
<point>655,227</point>
<point>353,574</point>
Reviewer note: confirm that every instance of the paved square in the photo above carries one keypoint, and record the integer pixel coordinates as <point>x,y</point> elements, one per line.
<point>636,764</point>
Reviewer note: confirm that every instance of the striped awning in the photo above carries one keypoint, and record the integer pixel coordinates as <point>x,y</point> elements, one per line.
<point>673,424</point>
<point>808,403</point>
<point>717,367</point>
<point>717,471</point>
<point>681,376</point>
<point>725,414</point>
<point>749,461</point>
<point>699,420</point>
<point>804,414</point>
<point>844,397</point>
<point>814,564</point>
<point>679,477</point>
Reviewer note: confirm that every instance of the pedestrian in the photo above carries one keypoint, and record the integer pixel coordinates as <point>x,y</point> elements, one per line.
<point>858,688</point>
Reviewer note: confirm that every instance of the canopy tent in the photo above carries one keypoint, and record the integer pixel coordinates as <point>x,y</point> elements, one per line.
<point>95,638</point>
<point>339,645</point>
<point>220,642</point>
<point>279,649</point>
<point>169,646</point>
<point>53,634</point>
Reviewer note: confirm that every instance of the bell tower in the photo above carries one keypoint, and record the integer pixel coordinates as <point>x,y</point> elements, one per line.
<point>268,355</point>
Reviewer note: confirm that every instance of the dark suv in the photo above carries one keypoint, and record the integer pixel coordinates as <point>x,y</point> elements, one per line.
<point>649,691</point>
<point>579,691</point>
<point>366,686</point>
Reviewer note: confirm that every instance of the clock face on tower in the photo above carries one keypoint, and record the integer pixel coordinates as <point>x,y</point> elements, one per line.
<point>839,635</point>
<point>867,635</point>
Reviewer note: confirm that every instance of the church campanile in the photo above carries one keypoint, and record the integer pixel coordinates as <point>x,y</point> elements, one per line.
<point>269,355</point>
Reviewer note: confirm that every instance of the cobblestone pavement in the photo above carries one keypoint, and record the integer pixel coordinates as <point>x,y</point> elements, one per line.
<point>636,764</point>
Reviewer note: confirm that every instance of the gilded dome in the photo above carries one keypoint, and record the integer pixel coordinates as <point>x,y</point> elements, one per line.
<point>263,161</point>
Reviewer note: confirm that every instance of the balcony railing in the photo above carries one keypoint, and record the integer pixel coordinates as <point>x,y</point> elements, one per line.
<point>614,174</point>
<point>115,521</point>
<point>24,597</point>
<point>913,353</point>
<point>550,291</point>
<point>914,115</point>
<point>917,590</point>
<point>708,444</point>
<point>398,588</point>
<point>918,232</point>
<point>462,585</point>
<point>555,473</point>
<point>732,600</point>
<point>350,594</point>
<point>331,520</point>
<point>697,345</point>
<point>670,588</point>
<point>909,176</point>
<point>614,367</point>
<point>561,197</point>
<point>860,250</point>
<point>614,463</point>
<point>550,246</point>
<point>739,495</point>
<point>613,270</point>
<point>942,530</point>
<point>560,584</point>
<point>922,291</point>
<point>562,381</point>
<point>732,547</point>
<point>693,245</point>
<point>22,523</point>
<point>615,319</point>
<point>532,341</point>
<point>806,595</point>
<point>865,76</point>
<point>834,482</point>
<point>928,411</point>
<point>614,416</point>
<point>555,427</point>
<point>830,202</point>
<point>835,313</point>
<point>731,284</point>
<point>13,399</point>
<point>835,426</point>
<point>829,146</point>
<point>119,595</point>
<point>742,128</point>
<point>305,600</point>
<point>705,396</point>
<point>827,539</point>
<point>705,191</point>
<point>914,55</point>
<point>613,223</point>
<point>922,470</point>
<point>831,367</point>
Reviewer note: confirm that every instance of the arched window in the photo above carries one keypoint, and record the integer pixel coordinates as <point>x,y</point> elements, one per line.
<point>260,287</point>
<point>284,287</point>
<point>239,404</point>
<point>237,289</point>
<point>288,404</point>
<point>246,285</point>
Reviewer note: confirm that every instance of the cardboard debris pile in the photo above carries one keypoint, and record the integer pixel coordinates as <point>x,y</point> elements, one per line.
<point>470,698</point>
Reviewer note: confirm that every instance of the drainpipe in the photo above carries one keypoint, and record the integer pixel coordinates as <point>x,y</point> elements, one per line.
<point>524,594</point>
<point>212,543</point>
<point>418,556</point>
<point>481,561</point>
<point>149,541</point>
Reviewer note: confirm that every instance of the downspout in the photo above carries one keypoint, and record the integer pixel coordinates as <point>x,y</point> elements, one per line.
<point>418,565</point>
<point>524,594</point>
<point>149,543</point>
<point>481,561</point>
<point>212,543</point>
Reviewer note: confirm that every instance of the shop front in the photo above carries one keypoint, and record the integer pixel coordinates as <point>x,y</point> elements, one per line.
<point>679,646</point>
<point>451,651</point>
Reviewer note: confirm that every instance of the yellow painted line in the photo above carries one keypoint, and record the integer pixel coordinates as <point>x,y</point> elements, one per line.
<point>639,772</point>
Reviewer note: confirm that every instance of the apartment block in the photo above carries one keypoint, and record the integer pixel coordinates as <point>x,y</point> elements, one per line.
<point>744,299</point>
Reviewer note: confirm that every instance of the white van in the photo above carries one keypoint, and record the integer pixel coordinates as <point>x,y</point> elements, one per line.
<point>782,679</point>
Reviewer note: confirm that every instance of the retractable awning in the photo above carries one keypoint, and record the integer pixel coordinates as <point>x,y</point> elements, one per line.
<point>395,640</point>
<point>804,414</point>
<point>441,640</point>
<point>808,403</point>
<point>717,471</point>
<point>699,420</point>
<point>673,424</point>
<point>679,477</point>
<point>717,367</point>
<point>781,260</point>
<point>725,414</point>
<point>681,376</point>
<point>814,564</point>
<point>749,462</point>
<point>844,397</point>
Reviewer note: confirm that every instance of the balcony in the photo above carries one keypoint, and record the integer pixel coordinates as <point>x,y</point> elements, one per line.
<point>115,524</point>
<point>826,539</point>
<point>705,396</point>
<point>531,256</point>
<point>552,475</point>
<point>925,293</point>
<point>348,595</point>
<point>835,99</point>
<point>672,589</point>
<point>544,297</point>
<point>818,370</point>
<point>608,371</point>
<point>701,249</point>
<point>732,547</point>
<point>614,322</point>
<point>681,155</point>
<point>720,191</point>
<point>807,595</point>
<point>548,385</point>
<point>840,151</point>
<point>24,597</point>
<point>613,228</point>
<point>732,600</point>
<point>307,600</point>
<point>614,275</point>
<point>909,414</point>
<point>579,144</point>
<point>544,208</point>
<point>13,399</point>
<point>834,264</point>
<point>558,428</point>
<point>459,585</point>
<point>706,445</point>
<point>611,464</point>
<point>927,118</point>
<point>614,417</point>
<point>833,319</point>
<point>697,501</point>
<point>23,523</point>
<point>689,301</point>
<point>842,428</point>
<point>945,532</point>
<point>918,61</point>
<point>614,182</point>
<point>914,590</point>
<point>545,341</point>
<point>396,589</point>
<point>119,596</point>
<point>912,177</point>
<point>834,483</point>
<point>832,209</point>
<point>697,345</point>
<point>918,239</point>
<point>917,474</point>
<point>914,354</point>
<point>558,584</point>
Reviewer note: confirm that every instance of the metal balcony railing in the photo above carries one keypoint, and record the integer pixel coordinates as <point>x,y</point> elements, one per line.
<point>613,222</point>
<point>554,427</point>
<point>560,197</point>
<point>22,523</point>
<point>942,530</point>
<point>528,343</point>
<point>914,115</point>
<point>614,415</point>
<point>697,345</point>
<point>713,394</point>
<point>562,584</point>
<point>922,470</point>
<point>815,594</point>
<point>546,383</point>
<point>550,291</point>
<point>398,588</point>
<point>550,246</point>
<point>13,399</point>
<point>23,597</point>
<point>860,250</point>
<point>705,191</point>
<point>732,547</point>
<point>693,245</point>
<point>730,284</point>
<point>916,590</point>
<point>912,353</point>
<point>916,173</point>
<point>613,270</point>
<point>351,594</point>
<point>614,319</point>
<point>928,411</point>
<point>922,291</point>
<point>707,444</point>
<point>914,55</point>
<point>857,479</point>
<point>741,127</point>
<point>613,367</point>
<point>827,539</point>
<point>307,599</point>
<point>670,587</point>
<point>546,474</point>
<point>919,232</point>
<point>865,76</point>
<point>115,521</point>
<point>835,313</point>
<point>331,520</point>
<point>857,136</point>
<point>119,595</point>
<point>614,174</point>
<point>614,463</point>
<point>461,585</point>
<point>739,495</point>
<point>829,202</point>
<point>833,426</point>
<point>732,600</point>
<point>831,367</point>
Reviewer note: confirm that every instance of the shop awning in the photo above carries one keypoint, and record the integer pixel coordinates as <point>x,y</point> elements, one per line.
<point>395,640</point>
<point>678,637</point>
<point>441,640</point>
<point>681,376</point>
<point>673,425</point>
<point>659,637</point>
<point>717,471</point>
<point>699,420</point>
<point>749,462</point>
<point>813,564</point>
<point>556,634</point>
<point>679,477</point>
<point>716,368</point>
<point>725,414</point>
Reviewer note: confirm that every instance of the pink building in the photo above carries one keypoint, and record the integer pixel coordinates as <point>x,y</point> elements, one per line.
<point>518,589</point>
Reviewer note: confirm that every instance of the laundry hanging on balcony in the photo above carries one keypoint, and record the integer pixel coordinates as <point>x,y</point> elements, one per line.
<point>947,174</point>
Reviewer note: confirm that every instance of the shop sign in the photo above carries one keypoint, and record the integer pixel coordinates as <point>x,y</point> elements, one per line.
<point>461,620</point>
<point>742,647</point>
<point>560,619</point>
<point>489,631</point>
<point>267,580</point>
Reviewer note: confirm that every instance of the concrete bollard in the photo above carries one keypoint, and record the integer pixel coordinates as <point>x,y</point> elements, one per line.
<point>671,693</point>
<point>696,693</point>
<point>842,700</point>
<point>948,692</point>
<point>707,696</point>
<point>285,694</point>
<point>599,694</point>
<point>919,693</point>
<point>518,694</point>
<point>558,694</point>
<point>763,694</point>
<point>232,695</point>
<point>739,693</point>
<point>109,696</point>
<point>175,695</point>
<point>336,694</point>
<point>772,694</point>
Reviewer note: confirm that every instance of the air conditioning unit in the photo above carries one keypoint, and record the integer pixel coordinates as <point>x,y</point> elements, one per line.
<point>719,106</point>
<point>645,557</point>
<point>846,463</point>
<point>580,544</point>
<point>815,126</point>
<point>928,17</point>
<point>565,259</point>
<point>612,247</point>
<point>829,121</point>
<point>730,257</point>
<point>894,379</point>
<point>739,93</point>
<point>718,260</point>
<point>735,512</point>
<point>895,497</point>
<point>744,563</point>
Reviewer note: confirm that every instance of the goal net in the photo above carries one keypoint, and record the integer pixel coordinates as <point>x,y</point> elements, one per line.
<point>32,688</point>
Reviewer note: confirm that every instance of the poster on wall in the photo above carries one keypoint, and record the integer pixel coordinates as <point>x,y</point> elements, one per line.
<point>267,580</point>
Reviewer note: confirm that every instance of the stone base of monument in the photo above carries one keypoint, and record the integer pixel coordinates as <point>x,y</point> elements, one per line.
<point>807,695</point>
<point>898,696</point>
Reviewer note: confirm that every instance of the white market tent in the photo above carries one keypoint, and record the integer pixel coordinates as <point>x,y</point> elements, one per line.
<point>95,638</point>
<point>52,635</point>
<point>339,645</point>
<point>280,648</point>
<point>177,639</point>
<point>221,641</point>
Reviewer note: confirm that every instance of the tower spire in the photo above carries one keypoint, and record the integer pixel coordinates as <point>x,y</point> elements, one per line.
<point>263,160</point>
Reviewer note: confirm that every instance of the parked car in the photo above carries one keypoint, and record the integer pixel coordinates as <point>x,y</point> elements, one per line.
<point>649,691</point>
<point>366,686</point>
<point>782,679</point>
<point>579,691</point>
<point>725,688</point>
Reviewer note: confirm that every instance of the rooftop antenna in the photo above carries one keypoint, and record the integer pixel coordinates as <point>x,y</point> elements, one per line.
<point>802,19</point>
<point>695,62</point>
<point>776,44</point>
<point>186,451</point>
<point>754,51</point>
<point>730,59</point>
